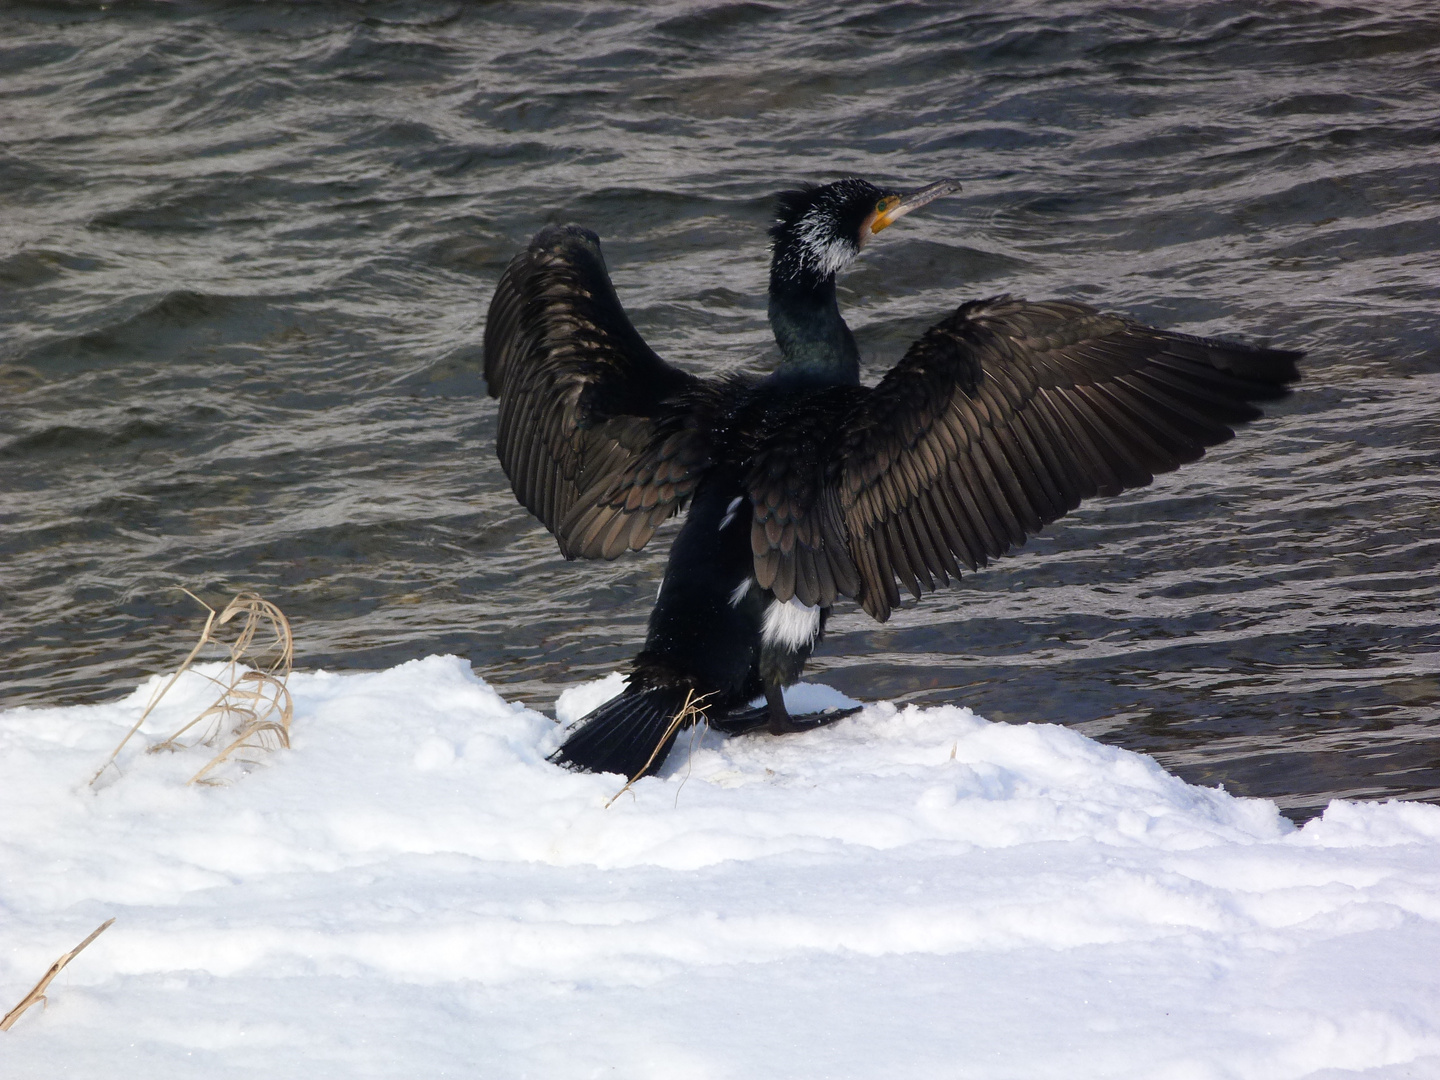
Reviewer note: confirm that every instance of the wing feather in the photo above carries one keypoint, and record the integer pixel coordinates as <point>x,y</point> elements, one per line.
<point>597,434</point>
<point>1000,419</point>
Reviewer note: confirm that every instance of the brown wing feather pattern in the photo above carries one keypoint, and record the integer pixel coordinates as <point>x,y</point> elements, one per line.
<point>624,506</point>
<point>1000,419</point>
<point>586,407</point>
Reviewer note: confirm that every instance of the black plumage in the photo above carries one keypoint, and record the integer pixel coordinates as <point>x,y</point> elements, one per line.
<point>806,486</point>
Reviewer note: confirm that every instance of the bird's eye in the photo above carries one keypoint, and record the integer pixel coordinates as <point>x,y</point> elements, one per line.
<point>882,205</point>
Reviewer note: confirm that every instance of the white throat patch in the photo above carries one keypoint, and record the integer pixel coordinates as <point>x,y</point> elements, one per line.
<point>791,624</point>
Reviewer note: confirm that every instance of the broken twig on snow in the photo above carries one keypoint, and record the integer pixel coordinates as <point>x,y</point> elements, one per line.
<point>38,994</point>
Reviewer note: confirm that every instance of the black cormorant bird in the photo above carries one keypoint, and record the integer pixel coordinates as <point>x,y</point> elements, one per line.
<point>805,486</point>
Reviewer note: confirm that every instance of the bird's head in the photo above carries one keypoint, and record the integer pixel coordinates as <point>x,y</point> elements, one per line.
<point>818,231</point>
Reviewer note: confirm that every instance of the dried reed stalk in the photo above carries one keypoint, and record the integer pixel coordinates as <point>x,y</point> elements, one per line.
<point>255,704</point>
<point>692,711</point>
<point>38,994</point>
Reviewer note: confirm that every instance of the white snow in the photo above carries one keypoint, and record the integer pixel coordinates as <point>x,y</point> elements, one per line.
<point>413,891</point>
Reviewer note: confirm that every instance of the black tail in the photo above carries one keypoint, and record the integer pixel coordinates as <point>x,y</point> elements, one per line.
<point>629,734</point>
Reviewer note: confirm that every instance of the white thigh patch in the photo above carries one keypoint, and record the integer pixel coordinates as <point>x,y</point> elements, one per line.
<point>792,624</point>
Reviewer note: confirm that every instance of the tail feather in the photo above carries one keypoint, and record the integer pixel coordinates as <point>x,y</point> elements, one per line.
<point>629,734</point>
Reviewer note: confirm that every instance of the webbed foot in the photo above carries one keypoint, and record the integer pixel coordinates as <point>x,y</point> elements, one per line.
<point>782,723</point>
<point>775,718</point>
<point>788,725</point>
<point>740,722</point>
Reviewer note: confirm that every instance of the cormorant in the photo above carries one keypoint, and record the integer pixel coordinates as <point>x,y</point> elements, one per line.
<point>805,486</point>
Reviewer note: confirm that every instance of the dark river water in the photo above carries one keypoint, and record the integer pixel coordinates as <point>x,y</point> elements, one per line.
<point>246,249</point>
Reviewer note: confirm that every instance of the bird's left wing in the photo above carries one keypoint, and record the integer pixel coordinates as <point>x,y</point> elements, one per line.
<point>597,434</point>
<point>997,421</point>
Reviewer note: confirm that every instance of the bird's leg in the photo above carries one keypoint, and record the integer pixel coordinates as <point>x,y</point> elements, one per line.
<point>782,723</point>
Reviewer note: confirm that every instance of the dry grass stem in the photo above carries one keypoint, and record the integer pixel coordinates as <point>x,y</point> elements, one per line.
<point>695,734</point>
<point>38,994</point>
<point>254,708</point>
<point>693,711</point>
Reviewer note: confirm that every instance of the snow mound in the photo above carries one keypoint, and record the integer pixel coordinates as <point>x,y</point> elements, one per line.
<point>413,890</point>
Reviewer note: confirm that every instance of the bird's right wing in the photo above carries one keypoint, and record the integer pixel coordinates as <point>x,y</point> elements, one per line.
<point>997,421</point>
<point>597,434</point>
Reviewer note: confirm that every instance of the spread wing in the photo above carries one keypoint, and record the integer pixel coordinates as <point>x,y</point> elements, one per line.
<point>597,434</point>
<point>997,421</point>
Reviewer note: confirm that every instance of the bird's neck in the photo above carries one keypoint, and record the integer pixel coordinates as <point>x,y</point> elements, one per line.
<point>815,344</point>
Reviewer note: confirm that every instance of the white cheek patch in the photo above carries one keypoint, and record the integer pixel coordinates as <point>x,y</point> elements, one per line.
<point>741,591</point>
<point>826,252</point>
<point>791,624</point>
<point>731,511</point>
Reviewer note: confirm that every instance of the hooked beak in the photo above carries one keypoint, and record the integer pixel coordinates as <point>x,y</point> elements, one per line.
<point>903,204</point>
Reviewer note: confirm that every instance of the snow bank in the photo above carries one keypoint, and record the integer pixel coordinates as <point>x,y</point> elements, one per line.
<point>413,891</point>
